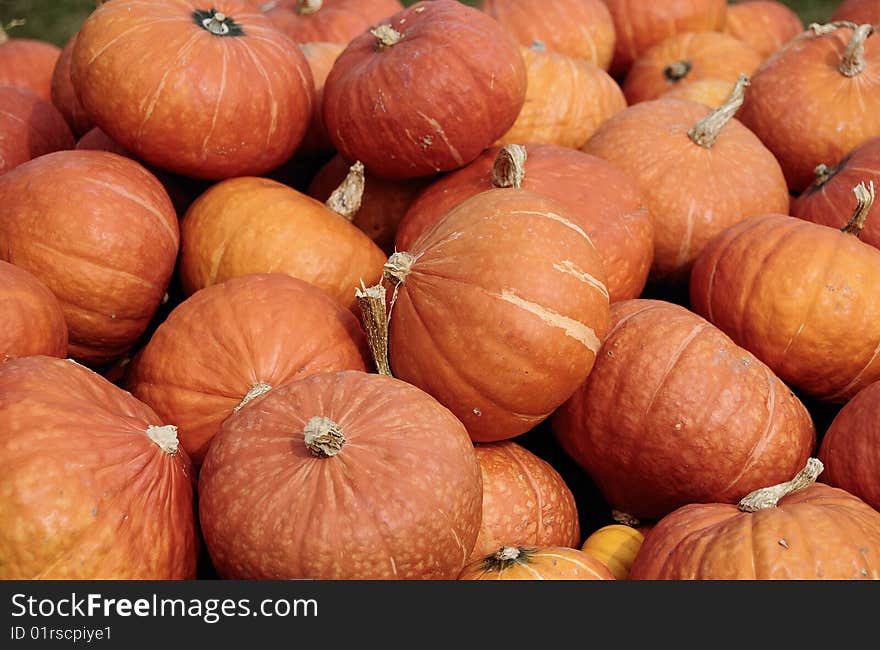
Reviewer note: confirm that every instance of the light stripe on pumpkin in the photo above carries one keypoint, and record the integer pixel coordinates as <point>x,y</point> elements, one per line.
<point>567,266</point>
<point>555,217</point>
<point>574,329</point>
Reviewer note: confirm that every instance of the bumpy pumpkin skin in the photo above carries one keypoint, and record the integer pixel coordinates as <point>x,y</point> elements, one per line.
<point>100,231</point>
<point>609,208</point>
<point>766,26</point>
<point>858,11</point>
<point>582,29</point>
<point>31,320</point>
<point>652,443</point>
<point>406,113</point>
<point>401,500</point>
<point>800,296</point>
<point>248,113</point>
<point>29,127</point>
<point>850,449</point>
<point>87,495</point>
<point>502,313</point>
<point>710,92</point>
<point>615,546</point>
<point>28,63</point>
<point>64,95</point>
<point>819,533</point>
<point>525,501</point>
<point>831,202</point>
<point>337,21</point>
<point>539,563</point>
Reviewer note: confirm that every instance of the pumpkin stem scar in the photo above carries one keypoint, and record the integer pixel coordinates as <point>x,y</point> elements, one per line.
<point>823,174</point>
<point>346,199</point>
<point>306,7</point>
<point>853,61</point>
<point>864,202</point>
<point>217,23</point>
<point>260,388</point>
<point>505,557</point>
<point>769,497</point>
<point>625,518</point>
<point>375,320</point>
<point>706,131</point>
<point>509,169</point>
<point>323,437</point>
<point>677,71</point>
<point>165,437</point>
<point>386,36</point>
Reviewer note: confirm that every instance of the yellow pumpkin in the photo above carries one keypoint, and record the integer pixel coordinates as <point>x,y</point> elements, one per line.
<point>615,546</point>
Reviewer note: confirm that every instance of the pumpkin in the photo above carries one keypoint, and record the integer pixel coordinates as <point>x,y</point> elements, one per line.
<point>255,225</point>
<point>27,63</point>
<point>94,487</point>
<point>400,110</point>
<point>96,140</point>
<point>566,100</point>
<point>798,530</point>
<point>721,174</point>
<point>850,449</point>
<point>100,231</point>
<point>687,57</point>
<point>383,204</point>
<point>31,320</point>
<point>652,443</point>
<point>802,297</point>
<point>829,200</point>
<point>321,57</point>
<point>363,477</point>
<point>525,501</point>
<point>710,92</point>
<point>29,128</point>
<point>253,102</point>
<point>827,103</point>
<point>536,563</point>
<point>64,95</point>
<point>639,25</point>
<point>333,21</point>
<point>582,29</point>
<point>229,343</point>
<point>609,208</point>
<point>615,546</point>
<point>763,24</point>
<point>858,11</point>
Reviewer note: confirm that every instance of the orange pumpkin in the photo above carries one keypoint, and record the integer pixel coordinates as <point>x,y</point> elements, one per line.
<point>94,487</point>
<point>29,128</point>
<point>710,92</point>
<point>31,320</point>
<point>321,57</point>
<point>64,95</point>
<point>765,25</point>
<point>858,11</point>
<point>331,21</point>
<point>362,477</point>
<point>28,63</point>
<point>536,563</point>
<point>615,546</point>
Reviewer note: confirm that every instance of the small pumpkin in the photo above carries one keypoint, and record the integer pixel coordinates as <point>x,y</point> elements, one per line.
<point>766,25</point>
<point>31,320</point>
<point>615,546</point>
<point>64,95</point>
<point>27,63</point>
<point>858,11</point>
<point>29,128</point>
<point>331,21</point>
<point>321,57</point>
<point>536,563</point>
<point>711,92</point>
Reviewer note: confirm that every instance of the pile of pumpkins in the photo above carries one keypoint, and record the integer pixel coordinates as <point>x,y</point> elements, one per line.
<point>287,286</point>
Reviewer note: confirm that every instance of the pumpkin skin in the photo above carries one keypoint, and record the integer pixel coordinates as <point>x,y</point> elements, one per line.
<point>28,63</point>
<point>450,109</point>
<point>704,55</point>
<point>406,482</point>
<point>64,95</point>
<point>525,501</point>
<point>502,312</point>
<point>123,510</point>
<point>336,21</point>
<point>640,25</point>
<point>581,29</point>
<point>100,231</point>
<point>31,320</point>
<point>566,101</point>
<point>766,26</point>
<point>255,225</point>
<point>819,533</point>
<point>321,57</point>
<point>821,114</point>
<point>615,546</point>
<point>29,127</point>
<point>710,92</point>
<point>858,11</point>
<point>800,296</point>
<point>609,208</point>
<point>850,449</point>
<point>537,563</point>
<point>707,189</point>
<point>233,340</point>
<point>652,443</point>
<point>96,140</point>
<point>255,94</point>
<point>830,201</point>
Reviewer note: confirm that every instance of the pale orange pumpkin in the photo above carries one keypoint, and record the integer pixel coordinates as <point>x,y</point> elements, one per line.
<point>765,25</point>
<point>536,563</point>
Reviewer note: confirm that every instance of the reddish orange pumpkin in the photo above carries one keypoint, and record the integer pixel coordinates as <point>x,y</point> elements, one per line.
<point>816,99</point>
<point>94,487</point>
<point>362,477</point>
<point>536,563</point>
<point>710,92</point>
<point>100,231</point>
<point>685,58</point>
<point>765,25</point>
<point>582,29</point>
<point>96,140</point>
<point>64,95</point>
<point>29,128</point>
<point>231,342</point>
<point>609,207</point>
<point>525,501</point>
<point>28,63</point>
<point>247,114</point>
<point>31,320</point>
<point>332,21</point>
<point>388,104</point>
<point>858,11</point>
<point>653,443</point>
<point>321,57</point>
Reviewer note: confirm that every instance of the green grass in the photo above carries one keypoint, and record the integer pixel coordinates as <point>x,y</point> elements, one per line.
<point>57,20</point>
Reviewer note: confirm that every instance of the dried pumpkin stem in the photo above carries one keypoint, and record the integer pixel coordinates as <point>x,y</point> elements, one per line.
<point>386,36</point>
<point>216,24</point>
<point>509,169</point>
<point>853,61</point>
<point>308,6</point>
<point>864,202</point>
<point>706,131</point>
<point>677,71</point>
<point>507,554</point>
<point>260,388</point>
<point>165,437</point>
<point>371,301</point>
<point>823,173</point>
<point>769,497</point>
<point>346,199</point>
<point>323,437</point>
<point>625,518</point>
<point>12,24</point>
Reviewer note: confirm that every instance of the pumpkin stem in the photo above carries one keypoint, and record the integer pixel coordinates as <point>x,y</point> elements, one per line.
<point>323,437</point>
<point>823,173</point>
<point>509,169</point>
<point>165,437</point>
<point>706,131</point>
<point>398,267</point>
<point>853,61</point>
<point>12,24</point>
<point>769,497</point>
<point>346,199</point>
<point>625,518</point>
<point>677,71</point>
<point>256,390</point>
<point>375,318</point>
<point>507,554</point>
<point>308,6</point>
<point>386,36</point>
<point>864,202</point>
